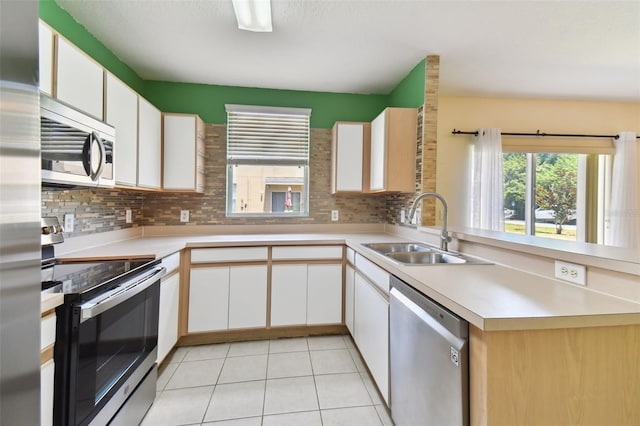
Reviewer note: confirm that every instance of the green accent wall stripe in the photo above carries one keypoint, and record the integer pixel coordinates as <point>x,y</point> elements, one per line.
<point>208,101</point>
<point>409,93</point>
<point>65,24</point>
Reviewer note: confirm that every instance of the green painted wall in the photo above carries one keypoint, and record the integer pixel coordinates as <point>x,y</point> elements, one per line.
<point>64,23</point>
<point>409,93</point>
<point>208,101</point>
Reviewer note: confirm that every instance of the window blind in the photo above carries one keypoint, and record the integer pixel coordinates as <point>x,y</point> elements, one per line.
<point>267,135</point>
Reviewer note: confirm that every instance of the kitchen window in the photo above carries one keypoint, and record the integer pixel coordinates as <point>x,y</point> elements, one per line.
<point>556,194</point>
<point>267,161</point>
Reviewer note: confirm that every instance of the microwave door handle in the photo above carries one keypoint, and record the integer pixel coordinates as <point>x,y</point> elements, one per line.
<point>87,156</point>
<point>94,307</point>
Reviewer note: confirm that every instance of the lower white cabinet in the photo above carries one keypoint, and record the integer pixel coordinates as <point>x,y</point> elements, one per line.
<point>46,393</point>
<point>371,331</point>
<point>168,316</point>
<point>248,296</point>
<point>306,294</point>
<point>348,297</point>
<point>288,295</point>
<point>324,294</point>
<point>208,299</point>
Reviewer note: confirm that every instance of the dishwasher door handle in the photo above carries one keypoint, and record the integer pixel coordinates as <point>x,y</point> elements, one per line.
<point>456,342</point>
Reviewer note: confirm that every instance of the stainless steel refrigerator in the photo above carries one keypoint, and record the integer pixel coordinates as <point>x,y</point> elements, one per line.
<point>19,214</point>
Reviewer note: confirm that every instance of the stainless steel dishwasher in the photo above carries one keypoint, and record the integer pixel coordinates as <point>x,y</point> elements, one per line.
<point>429,357</point>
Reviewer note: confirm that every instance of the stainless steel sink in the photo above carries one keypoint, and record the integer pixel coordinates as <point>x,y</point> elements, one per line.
<point>409,253</point>
<point>384,248</point>
<point>424,258</point>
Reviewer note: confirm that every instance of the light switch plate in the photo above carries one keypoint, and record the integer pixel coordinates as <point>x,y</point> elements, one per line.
<point>184,215</point>
<point>128,217</point>
<point>571,272</point>
<point>69,222</point>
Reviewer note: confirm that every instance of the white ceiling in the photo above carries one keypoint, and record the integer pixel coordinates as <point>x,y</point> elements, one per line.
<point>552,49</point>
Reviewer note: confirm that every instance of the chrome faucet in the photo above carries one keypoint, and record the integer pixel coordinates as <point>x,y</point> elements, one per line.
<point>444,236</point>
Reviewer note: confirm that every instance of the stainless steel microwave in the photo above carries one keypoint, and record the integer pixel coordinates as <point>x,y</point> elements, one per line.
<point>76,149</point>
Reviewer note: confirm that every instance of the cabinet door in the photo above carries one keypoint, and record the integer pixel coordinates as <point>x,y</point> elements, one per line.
<point>378,152</point>
<point>348,297</point>
<point>248,296</point>
<point>371,326</point>
<point>208,299</point>
<point>288,295</point>
<point>179,133</point>
<point>324,294</point>
<point>122,113</point>
<point>46,393</point>
<point>45,58</point>
<point>349,161</point>
<point>149,145</point>
<point>80,80</point>
<point>168,316</point>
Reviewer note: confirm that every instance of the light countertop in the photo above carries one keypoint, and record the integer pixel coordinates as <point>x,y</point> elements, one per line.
<point>490,297</point>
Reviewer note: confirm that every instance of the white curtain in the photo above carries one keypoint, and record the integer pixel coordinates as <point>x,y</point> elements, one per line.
<point>623,214</point>
<point>487,209</point>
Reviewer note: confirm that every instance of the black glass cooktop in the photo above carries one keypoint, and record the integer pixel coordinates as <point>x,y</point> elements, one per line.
<point>82,278</point>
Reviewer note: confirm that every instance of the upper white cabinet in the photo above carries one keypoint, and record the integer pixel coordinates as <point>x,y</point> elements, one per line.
<point>393,151</point>
<point>183,147</point>
<point>350,152</point>
<point>45,58</point>
<point>149,145</point>
<point>80,80</point>
<point>122,113</point>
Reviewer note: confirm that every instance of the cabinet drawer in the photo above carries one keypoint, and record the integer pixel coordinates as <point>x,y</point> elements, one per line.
<point>235,254</point>
<point>171,262</point>
<point>47,331</point>
<point>373,272</point>
<point>306,252</point>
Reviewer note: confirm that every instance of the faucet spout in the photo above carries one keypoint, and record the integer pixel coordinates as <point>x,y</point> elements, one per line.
<point>444,236</point>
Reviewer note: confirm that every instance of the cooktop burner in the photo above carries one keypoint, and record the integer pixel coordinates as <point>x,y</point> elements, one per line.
<point>82,278</point>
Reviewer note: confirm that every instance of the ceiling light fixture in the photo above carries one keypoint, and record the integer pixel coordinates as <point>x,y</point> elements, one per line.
<point>253,15</point>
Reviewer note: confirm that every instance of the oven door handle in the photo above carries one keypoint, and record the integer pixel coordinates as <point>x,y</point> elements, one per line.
<point>123,292</point>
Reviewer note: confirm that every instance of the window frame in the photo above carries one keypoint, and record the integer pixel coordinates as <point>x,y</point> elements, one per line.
<point>268,161</point>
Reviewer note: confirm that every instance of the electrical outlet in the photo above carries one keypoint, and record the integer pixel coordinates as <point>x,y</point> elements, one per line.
<point>128,217</point>
<point>184,215</point>
<point>571,272</point>
<point>335,215</point>
<point>69,222</point>
<point>403,216</point>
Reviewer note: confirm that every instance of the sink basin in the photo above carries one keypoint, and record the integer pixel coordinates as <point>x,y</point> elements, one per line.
<point>384,248</point>
<point>424,257</point>
<point>422,254</point>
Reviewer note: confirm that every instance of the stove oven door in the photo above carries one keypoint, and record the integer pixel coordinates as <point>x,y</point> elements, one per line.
<point>104,350</point>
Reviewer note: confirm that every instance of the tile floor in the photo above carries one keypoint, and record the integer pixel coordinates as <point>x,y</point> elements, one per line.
<point>300,381</point>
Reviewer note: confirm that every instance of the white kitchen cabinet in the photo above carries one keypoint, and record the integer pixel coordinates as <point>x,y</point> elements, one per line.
<point>79,79</point>
<point>45,58</point>
<point>288,295</point>
<point>183,148</point>
<point>324,294</point>
<point>149,145</point>
<point>350,156</point>
<point>371,327</point>
<point>168,315</point>
<point>122,113</point>
<point>393,151</point>
<point>349,290</point>
<point>208,299</point>
<point>248,296</point>
<point>46,393</point>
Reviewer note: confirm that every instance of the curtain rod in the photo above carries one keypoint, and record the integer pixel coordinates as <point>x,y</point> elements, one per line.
<point>539,133</point>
